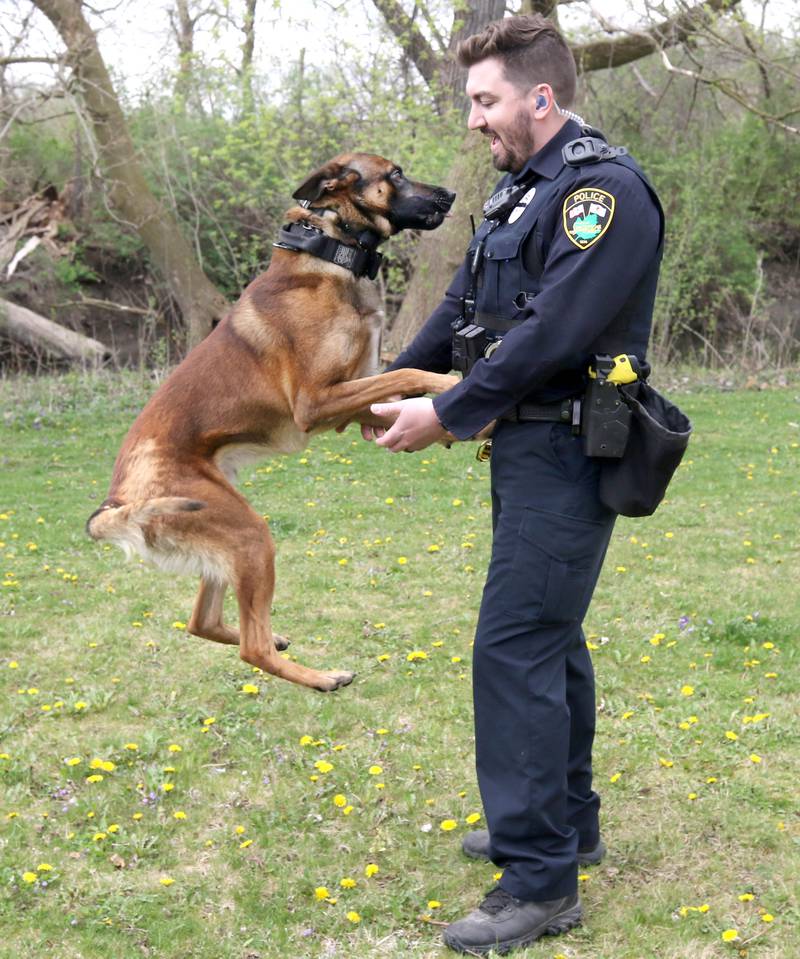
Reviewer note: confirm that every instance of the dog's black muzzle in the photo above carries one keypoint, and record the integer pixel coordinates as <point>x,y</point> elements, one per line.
<point>422,207</point>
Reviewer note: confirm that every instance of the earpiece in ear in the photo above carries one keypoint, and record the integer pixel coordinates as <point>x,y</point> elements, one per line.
<point>541,102</point>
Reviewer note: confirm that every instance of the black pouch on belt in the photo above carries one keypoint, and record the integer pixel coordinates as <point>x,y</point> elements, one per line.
<point>659,433</point>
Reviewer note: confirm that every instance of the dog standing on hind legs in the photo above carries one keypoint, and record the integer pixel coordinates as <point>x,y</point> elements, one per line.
<point>295,356</point>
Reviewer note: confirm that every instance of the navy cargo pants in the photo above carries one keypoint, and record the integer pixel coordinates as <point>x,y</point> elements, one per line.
<point>532,674</point>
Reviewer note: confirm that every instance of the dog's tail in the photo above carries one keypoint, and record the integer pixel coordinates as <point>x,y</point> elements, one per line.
<point>113,520</point>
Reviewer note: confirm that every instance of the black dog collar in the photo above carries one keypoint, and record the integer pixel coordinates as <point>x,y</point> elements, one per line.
<point>306,238</point>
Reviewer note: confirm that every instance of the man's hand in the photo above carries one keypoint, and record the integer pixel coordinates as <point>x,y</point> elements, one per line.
<point>414,424</point>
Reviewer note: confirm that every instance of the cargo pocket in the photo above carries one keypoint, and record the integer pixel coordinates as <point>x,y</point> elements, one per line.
<point>555,566</point>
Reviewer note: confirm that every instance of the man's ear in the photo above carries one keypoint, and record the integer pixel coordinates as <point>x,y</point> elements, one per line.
<point>328,178</point>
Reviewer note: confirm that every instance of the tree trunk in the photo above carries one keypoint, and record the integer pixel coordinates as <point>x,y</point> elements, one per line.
<point>467,19</point>
<point>248,46</point>
<point>56,342</point>
<point>183,28</point>
<point>200,303</point>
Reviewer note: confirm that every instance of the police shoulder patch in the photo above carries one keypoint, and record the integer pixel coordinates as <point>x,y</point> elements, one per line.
<point>588,213</point>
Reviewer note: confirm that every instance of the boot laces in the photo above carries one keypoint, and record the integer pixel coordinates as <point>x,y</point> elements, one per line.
<point>496,901</point>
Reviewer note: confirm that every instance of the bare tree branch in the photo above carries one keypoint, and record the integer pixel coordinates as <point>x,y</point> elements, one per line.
<point>7,61</point>
<point>633,45</point>
<point>412,40</point>
<point>729,89</point>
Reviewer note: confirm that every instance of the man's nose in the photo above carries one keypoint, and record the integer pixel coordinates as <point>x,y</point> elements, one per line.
<point>476,119</point>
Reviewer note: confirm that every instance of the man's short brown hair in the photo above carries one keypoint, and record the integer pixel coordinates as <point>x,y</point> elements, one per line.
<point>532,51</point>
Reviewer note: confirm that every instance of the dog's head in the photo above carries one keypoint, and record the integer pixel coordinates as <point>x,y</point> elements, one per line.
<point>370,192</point>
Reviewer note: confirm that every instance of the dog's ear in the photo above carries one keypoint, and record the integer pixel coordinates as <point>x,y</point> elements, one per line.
<point>332,176</point>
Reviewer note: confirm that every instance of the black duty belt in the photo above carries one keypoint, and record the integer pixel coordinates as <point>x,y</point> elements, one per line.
<point>567,411</point>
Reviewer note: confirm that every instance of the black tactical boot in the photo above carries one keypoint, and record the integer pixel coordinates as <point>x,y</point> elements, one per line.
<point>502,922</point>
<point>476,845</point>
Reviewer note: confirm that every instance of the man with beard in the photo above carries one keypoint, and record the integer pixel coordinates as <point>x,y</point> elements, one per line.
<point>564,267</point>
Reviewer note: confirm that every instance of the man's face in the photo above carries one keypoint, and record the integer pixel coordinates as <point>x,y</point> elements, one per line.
<point>503,113</point>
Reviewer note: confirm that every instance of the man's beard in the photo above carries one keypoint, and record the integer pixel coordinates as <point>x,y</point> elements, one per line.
<point>516,145</point>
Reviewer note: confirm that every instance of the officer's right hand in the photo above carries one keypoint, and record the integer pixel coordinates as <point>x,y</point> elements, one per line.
<point>372,431</point>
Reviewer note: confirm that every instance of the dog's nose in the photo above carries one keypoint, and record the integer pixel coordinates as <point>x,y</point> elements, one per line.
<point>444,199</point>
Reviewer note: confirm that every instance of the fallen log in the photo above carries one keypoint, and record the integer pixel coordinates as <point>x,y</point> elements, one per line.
<point>43,336</point>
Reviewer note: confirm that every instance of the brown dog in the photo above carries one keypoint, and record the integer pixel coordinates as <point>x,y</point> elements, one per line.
<point>295,356</point>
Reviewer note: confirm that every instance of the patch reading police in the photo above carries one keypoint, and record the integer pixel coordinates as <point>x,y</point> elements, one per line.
<point>587,215</point>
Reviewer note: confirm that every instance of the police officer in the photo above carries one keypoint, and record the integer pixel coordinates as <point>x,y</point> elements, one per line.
<point>565,266</point>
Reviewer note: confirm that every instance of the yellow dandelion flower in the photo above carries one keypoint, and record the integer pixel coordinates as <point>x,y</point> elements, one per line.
<point>245,843</point>
<point>347,883</point>
<point>250,689</point>
<point>768,917</point>
<point>746,897</point>
<point>402,560</point>
<point>167,787</point>
<point>687,690</point>
<point>448,824</point>
<point>175,748</point>
<point>353,916</point>
<point>166,880</point>
<point>29,876</point>
<point>339,800</point>
<point>754,758</point>
<point>370,870</point>
<point>472,818</point>
<point>179,814</point>
<point>730,935</point>
<point>323,766</point>
<point>375,770</point>
<point>434,904</point>
<point>94,778</point>
<point>321,892</point>
<point>614,778</point>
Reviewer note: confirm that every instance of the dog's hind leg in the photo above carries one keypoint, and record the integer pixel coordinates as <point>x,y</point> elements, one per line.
<point>254,582</point>
<point>206,618</point>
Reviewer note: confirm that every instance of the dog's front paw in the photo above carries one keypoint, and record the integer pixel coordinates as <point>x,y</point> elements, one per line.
<point>334,679</point>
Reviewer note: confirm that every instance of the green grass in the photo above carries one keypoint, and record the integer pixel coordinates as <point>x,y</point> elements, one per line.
<point>702,595</point>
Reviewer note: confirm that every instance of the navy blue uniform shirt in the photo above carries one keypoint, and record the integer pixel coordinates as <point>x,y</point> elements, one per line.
<point>582,291</point>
